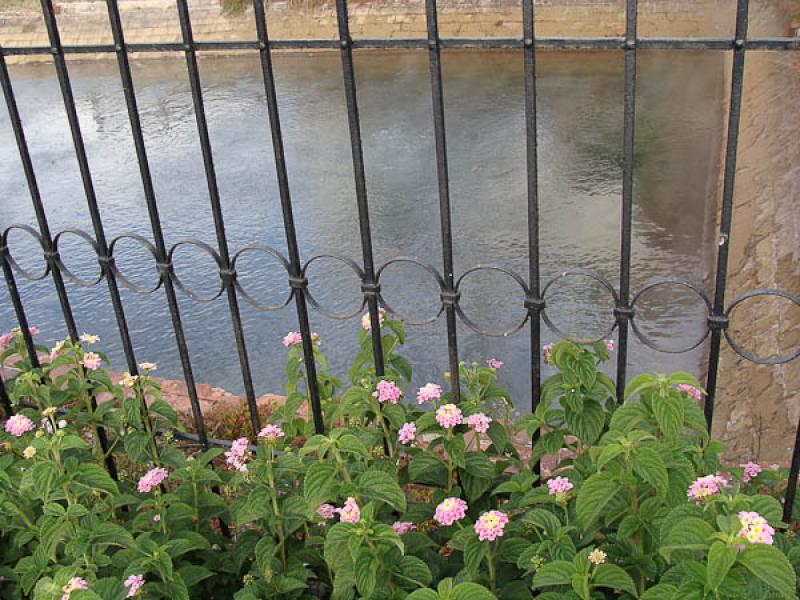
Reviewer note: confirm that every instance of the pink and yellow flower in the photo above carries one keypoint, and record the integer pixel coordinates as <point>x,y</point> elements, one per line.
<point>428,392</point>
<point>271,433</point>
<point>366,322</point>
<point>479,422</point>
<point>236,457</point>
<point>449,415</point>
<point>92,361</point>
<point>494,363</point>
<point>403,527</point>
<point>706,486</point>
<point>559,485</point>
<point>407,433</point>
<point>490,525</point>
<point>292,339</point>
<point>19,425</point>
<point>387,391</point>
<point>547,350</point>
<point>450,510</point>
<point>326,511</point>
<point>349,513</point>
<point>133,583</point>
<point>76,583</point>
<point>751,471</point>
<point>755,528</point>
<point>152,479</point>
<point>691,390</point>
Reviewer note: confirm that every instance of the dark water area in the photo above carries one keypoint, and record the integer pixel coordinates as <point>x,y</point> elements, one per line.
<point>678,123</point>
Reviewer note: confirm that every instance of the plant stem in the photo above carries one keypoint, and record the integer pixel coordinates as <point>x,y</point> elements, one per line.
<point>275,509</point>
<point>490,562</point>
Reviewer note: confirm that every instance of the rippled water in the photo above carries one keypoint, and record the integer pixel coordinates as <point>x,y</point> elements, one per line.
<point>580,145</point>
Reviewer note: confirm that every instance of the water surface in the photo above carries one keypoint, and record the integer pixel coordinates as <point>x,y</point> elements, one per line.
<point>580,149</point>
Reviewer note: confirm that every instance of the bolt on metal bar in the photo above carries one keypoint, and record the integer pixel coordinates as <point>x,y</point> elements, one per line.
<point>492,43</point>
<point>106,261</point>
<point>535,303</point>
<point>794,472</point>
<point>369,283</point>
<point>216,208</point>
<point>449,294</point>
<point>165,269</point>
<point>46,240</point>
<point>623,310</point>
<point>295,274</point>
<point>718,320</point>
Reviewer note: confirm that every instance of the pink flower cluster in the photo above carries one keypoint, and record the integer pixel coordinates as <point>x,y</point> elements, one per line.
<point>133,583</point>
<point>271,433</point>
<point>407,433</point>
<point>292,339</point>
<point>236,457</point>
<point>490,525</point>
<point>609,345</point>
<point>449,415</point>
<point>691,390</point>
<point>92,361</point>
<point>76,583</point>
<point>403,527</point>
<point>479,422</point>
<point>152,479</point>
<point>387,391</point>
<point>755,528</point>
<point>366,322</point>
<point>428,392</point>
<point>547,350</point>
<point>706,486</point>
<point>494,363</point>
<point>349,513</point>
<point>6,338</point>
<point>751,471</point>
<point>559,485</point>
<point>18,425</point>
<point>450,510</point>
<point>326,511</point>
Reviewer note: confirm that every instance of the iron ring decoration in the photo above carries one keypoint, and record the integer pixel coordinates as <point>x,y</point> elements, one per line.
<point>147,245</point>
<point>488,332</point>
<point>87,283</point>
<point>661,282</point>
<point>778,360</point>
<point>313,301</point>
<point>430,269</point>
<point>14,265</point>
<point>271,252</point>
<point>584,273</point>
<point>179,284</point>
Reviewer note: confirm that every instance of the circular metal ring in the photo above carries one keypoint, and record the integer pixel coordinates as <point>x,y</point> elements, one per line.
<point>271,252</point>
<point>316,305</point>
<point>147,245</point>
<point>87,283</point>
<point>488,332</point>
<point>430,269</point>
<point>179,284</point>
<point>778,360</point>
<point>662,282</point>
<point>14,265</point>
<point>584,273</point>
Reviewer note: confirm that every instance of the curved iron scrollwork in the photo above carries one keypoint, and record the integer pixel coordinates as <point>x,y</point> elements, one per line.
<point>53,259</point>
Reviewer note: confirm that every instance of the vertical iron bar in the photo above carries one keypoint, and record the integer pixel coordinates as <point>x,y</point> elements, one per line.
<point>717,321</point>
<point>296,279</point>
<point>4,399</point>
<point>449,294</point>
<point>794,471</point>
<point>50,253</point>
<point>534,303</point>
<point>226,272</point>
<point>19,309</point>
<point>623,311</point>
<point>164,267</point>
<point>369,286</point>
<point>106,261</point>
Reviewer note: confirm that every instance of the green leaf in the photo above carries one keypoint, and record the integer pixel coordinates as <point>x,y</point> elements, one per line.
<point>499,435</point>
<point>544,519</point>
<point>137,446</point>
<point>379,485</point>
<point>639,384</point>
<point>96,477</point>
<point>414,569</point>
<point>649,465</point>
<point>557,572</point>
<point>194,574</point>
<point>608,453</point>
<point>474,553</point>
<point>688,534</point>
<point>319,483</point>
<point>628,417</point>
<point>614,577</point>
<point>720,561</point>
<point>424,594</point>
<point>472,591</point>
<point>669,415</point>
<point>427,467</point>
<point>768,507</point>
<point>593,497</point>
<point>662,591</point>
<point>366,569</point>
<point>587,424</point>
<point>770,567</point>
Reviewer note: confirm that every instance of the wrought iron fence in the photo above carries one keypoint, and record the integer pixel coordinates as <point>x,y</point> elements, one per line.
<point>533,288</point>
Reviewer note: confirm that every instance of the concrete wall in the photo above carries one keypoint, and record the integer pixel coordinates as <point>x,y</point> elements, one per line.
<point>758,406</point>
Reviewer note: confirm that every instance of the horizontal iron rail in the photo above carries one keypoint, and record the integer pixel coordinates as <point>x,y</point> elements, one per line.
<point>563,43</point>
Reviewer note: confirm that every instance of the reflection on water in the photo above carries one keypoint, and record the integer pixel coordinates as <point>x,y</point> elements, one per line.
<point>580,149</point>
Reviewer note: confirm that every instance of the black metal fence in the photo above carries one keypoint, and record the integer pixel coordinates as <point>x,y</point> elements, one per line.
<point>535,290</point>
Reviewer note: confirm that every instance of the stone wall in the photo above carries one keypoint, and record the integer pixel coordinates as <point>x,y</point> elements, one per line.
<point>86,22</point>
<point>758,406</point>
